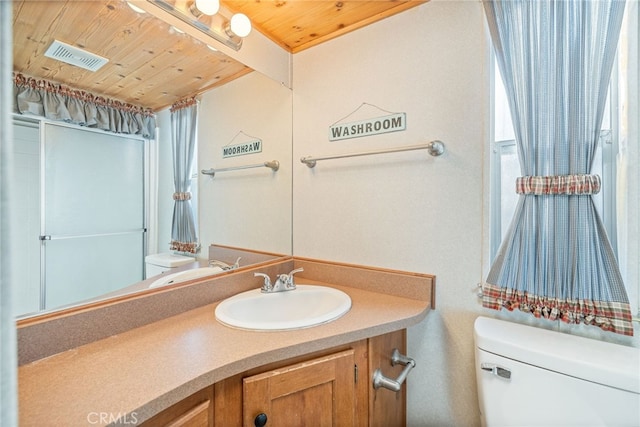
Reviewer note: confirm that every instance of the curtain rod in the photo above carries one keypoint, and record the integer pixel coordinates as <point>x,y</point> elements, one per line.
<point>436,148</point>
<point>273,165</point>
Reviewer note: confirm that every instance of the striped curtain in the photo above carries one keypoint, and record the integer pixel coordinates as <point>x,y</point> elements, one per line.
<point>183,138</point>
<point>556,261</point>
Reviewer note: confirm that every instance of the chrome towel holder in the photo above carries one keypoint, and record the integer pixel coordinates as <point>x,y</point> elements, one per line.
<point>380,380</point>
<point>435,148</point>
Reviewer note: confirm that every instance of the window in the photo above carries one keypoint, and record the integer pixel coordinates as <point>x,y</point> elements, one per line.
<point>505,167</point>
<point>616,159</point>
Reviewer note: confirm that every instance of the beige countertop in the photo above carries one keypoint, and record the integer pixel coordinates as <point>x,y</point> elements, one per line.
<point>138,373</point>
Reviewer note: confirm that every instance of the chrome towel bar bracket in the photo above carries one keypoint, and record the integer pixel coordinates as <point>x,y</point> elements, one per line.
<point>435,148</point>
<point>380,380</point>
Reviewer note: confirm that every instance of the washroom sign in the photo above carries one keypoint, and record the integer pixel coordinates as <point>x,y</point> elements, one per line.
<point>374,126</point>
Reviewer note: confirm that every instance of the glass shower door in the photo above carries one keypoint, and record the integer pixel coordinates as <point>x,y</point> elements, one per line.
<point>93,225</point>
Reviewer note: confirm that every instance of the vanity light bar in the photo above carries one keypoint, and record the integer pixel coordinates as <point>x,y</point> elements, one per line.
<point>274,165</point>
<point>435,148</point>
<point>231,40</point>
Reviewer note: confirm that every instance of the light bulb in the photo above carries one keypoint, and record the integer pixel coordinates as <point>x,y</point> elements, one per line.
<point>208,7</point>
<point>240,25</point>
<point>135,8</point>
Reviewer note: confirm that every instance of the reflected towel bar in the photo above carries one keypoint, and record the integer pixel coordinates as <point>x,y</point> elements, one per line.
<point>274,165</point>
<point>435,148</point>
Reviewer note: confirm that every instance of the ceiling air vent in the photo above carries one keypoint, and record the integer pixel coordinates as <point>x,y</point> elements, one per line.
<point>74,56</point>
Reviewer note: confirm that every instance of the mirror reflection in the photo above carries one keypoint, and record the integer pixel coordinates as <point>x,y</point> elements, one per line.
<point>92,205</point>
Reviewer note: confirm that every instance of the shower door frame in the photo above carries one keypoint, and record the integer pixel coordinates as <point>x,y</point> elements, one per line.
<point>40,123</point>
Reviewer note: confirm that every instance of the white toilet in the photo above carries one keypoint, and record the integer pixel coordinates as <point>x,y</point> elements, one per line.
<point>529,376</point>
<point>159,263</point>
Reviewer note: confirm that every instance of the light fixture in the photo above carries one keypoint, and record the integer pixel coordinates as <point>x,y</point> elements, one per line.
<point>135,8</point>
<point>206,7</point>
<point>175,29</point>
<point>230,34</point>
<point>239,25</point>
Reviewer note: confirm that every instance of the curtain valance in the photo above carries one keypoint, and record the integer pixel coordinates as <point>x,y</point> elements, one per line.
<point>57,102</point>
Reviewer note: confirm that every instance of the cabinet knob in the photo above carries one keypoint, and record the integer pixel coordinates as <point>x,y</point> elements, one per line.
<point>260,420</point>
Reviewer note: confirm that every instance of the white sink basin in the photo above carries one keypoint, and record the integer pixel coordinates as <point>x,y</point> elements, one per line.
<point>185,275</point>
<point>306,306</point>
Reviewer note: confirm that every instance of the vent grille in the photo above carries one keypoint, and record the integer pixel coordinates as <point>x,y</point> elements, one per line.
<point>74,56</point>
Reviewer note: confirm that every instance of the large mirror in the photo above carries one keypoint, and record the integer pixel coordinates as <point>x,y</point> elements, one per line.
<point>241,212</point>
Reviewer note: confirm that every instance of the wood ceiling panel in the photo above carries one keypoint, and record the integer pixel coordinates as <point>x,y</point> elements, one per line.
<point>300,24</point>
<point>151,65</point>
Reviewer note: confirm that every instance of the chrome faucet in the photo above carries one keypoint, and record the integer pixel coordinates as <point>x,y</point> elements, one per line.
<point>224,265</point>
<point>284,282</point>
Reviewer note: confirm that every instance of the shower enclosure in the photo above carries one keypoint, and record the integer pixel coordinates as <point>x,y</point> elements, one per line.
<point>80,204</point>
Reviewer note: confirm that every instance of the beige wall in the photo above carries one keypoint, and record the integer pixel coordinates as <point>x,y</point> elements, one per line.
<point>405,211</point>
<point>246,208</point>
<point>409,211</point>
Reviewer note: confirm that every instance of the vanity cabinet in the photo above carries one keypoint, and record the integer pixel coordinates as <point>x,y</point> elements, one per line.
<point>332,387</point>
<point>319,392</point>
<point>327,388</point>
<point>194,411</point>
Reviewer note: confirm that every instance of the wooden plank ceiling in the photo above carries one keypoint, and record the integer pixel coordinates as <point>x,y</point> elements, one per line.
<point>152,65</point>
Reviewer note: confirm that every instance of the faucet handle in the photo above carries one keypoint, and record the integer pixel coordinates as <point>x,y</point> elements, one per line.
<point>297,270</point>
<point>266,287</point>
<point>237,263</point>
<point>291,284</point>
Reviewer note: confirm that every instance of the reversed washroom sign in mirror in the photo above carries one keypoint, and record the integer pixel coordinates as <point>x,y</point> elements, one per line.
<point>251,146</point>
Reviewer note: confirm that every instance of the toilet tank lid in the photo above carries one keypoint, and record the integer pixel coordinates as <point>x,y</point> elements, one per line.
<point>168,259</point>
<point>601,362</point>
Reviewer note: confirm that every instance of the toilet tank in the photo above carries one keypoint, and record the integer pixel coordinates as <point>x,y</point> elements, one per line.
<point>528,376</point>
<point>159,263</point>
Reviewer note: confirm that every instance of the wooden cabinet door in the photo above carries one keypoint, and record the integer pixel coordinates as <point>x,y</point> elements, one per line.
<point>318,393</point>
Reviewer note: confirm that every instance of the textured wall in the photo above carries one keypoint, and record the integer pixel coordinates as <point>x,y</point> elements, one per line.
<point>404,211</point>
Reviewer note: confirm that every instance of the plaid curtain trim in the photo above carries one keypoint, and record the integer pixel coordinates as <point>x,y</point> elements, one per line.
<point>186,247</point>
<point>558,184</point>
<point>183,103</point>
<point>608,315</point>
<point>182,196</point>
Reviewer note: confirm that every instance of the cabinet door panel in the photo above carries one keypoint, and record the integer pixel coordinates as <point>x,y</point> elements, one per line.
<point>194,411</point>
<point>311,408</point>
<point>320,392</point>
<point>196,417</point>
<point>387,408</point>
